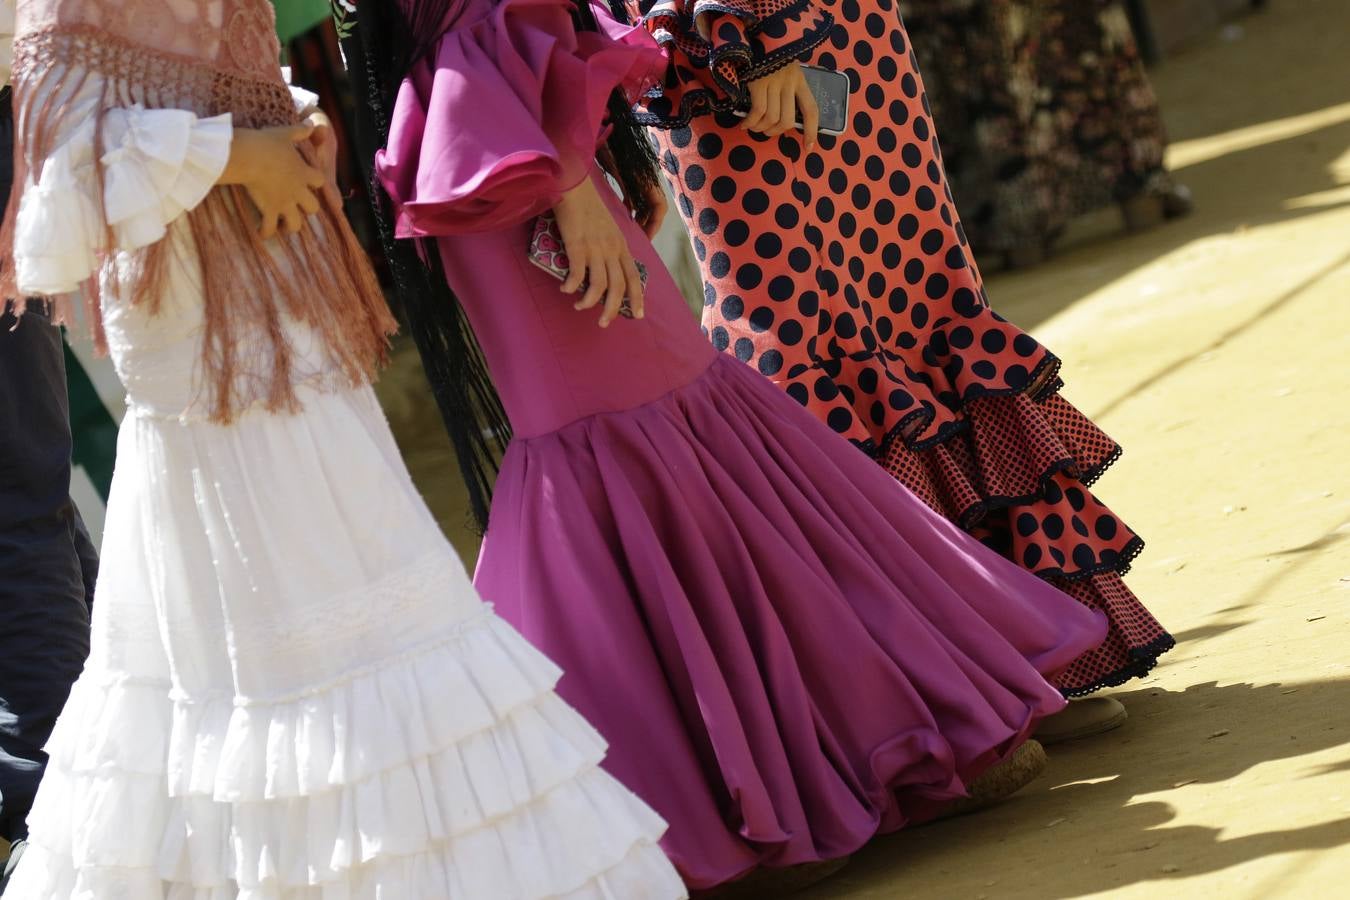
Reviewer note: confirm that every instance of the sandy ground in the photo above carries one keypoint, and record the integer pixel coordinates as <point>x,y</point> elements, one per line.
<point>1217,350</point>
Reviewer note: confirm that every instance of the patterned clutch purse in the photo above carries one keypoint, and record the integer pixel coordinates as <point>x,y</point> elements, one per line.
<point>548,253</point>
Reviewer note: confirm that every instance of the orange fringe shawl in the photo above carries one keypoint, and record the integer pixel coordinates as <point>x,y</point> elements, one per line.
<point>320,277</point>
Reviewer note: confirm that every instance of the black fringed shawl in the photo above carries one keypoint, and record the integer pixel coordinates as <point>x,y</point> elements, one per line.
<point>381,42</point>
<point>469,406</point>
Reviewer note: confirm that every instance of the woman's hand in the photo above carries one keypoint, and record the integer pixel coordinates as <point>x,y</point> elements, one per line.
<point>655,212</point>
<point>267,163</point>
<point>324,142</point>
<point>597,253</point>
<point>775,101</point>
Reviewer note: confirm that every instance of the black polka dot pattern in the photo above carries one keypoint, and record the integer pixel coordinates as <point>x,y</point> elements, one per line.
<point>843,274</point>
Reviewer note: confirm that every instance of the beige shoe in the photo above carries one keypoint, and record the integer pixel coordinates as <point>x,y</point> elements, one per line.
<point>1143,211</point>
<point>1177,201</point>
<point>1082,718</point>
<point>763,883</point>
<point>1002,781</point>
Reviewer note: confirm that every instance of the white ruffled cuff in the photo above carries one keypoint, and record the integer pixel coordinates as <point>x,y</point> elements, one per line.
<point>305,101</point>
<point>57,229</point>
<point>158,164</point>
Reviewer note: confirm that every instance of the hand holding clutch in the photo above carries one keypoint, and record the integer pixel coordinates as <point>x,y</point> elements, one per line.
<point>584,234</point>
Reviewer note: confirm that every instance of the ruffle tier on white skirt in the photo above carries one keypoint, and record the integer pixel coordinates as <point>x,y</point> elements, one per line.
<point>456,773</point>
<point>294,693</point>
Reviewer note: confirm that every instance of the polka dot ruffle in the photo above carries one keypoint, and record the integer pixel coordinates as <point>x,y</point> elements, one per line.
<point>843,274</point>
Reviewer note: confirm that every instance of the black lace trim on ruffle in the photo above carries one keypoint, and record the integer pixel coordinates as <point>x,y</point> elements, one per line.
<point>1089,478</point>
<point>1119,564</point>
<point>971,515</point>
<point>749,18</point>
<point>1042,383</point>
<point>1143,661</point>
<point>750,64</point>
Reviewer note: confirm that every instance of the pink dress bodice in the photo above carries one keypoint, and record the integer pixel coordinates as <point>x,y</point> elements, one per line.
<point>553,365</point>
<point>477,187</point>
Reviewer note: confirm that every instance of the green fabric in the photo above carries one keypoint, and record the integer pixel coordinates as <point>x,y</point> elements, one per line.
<point>92,426</point>
<point>295,17</point>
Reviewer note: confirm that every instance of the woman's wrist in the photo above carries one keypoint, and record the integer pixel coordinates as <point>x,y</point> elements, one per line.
<point>240,167</point>
<point>577,192</point>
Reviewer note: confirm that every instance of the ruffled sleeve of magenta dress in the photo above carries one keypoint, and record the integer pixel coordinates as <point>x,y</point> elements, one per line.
<point>787,651</point>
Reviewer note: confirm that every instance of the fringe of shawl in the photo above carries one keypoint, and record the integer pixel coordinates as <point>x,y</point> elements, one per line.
<point>470,407</point>
<point>320,277</point>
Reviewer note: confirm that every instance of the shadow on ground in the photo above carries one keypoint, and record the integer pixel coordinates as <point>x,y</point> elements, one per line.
<point>1243,188</point>
<point>1248,188</point>
<point>1195,739</point>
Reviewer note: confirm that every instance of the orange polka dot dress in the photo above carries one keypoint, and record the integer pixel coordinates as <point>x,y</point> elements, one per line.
<point>842,273</point>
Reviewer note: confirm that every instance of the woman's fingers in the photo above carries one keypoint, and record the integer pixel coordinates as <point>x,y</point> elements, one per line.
<point>611,277</point>
<point>778,101</point>
<point>267,228</point>
<point>810,113</point>
<point>293,219</point>
<point>599,283</point>
<point>774,102</point>
<point>787,112</point>
<point>770,119</point>
<point>636,293</point>
<point>298,134</point>
<point>657,208</point>
<point>759,105</point>
<point>313,178</point>
<point>309,202</point>
<point>597,250</point>
<point>615,291</point>
<point>576,274</point>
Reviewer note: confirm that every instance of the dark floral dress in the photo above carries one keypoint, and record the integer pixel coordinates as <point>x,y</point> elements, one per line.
<point>1044,108</point>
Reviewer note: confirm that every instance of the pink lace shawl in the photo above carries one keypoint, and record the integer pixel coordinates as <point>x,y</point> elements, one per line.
<point>208,57</point>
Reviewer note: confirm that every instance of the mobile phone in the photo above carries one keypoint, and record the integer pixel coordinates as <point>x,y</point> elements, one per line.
<point>830,88</point>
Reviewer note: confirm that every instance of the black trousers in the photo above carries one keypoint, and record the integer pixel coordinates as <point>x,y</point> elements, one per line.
<point>47,563</point>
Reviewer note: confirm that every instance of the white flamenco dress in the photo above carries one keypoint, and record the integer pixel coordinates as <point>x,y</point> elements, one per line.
<point>294,692</point>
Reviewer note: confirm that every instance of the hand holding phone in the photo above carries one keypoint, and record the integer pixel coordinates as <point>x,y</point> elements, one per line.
<point>806,97</point>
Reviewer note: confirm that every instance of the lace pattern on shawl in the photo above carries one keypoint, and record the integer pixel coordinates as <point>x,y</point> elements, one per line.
<point>237,37</point>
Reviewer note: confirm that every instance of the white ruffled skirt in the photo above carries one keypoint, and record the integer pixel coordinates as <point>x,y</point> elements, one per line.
<point>295,694</point>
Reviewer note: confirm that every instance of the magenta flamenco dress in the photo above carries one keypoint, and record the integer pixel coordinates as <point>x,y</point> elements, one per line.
<point>787,652</point>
